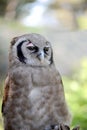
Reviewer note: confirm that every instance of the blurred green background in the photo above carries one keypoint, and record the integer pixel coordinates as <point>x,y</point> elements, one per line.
<point>64,24</point>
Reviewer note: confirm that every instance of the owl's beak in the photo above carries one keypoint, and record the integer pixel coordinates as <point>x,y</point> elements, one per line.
<point>41,56</point>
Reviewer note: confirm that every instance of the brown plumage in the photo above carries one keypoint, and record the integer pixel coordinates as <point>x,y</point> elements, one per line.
<point>34,95</point>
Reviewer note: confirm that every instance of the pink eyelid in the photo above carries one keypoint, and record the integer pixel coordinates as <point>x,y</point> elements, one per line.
<point>30,44</point>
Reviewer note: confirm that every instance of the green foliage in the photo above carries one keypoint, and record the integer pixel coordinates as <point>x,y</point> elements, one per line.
<point>76,94</point>
<point>82,22</point>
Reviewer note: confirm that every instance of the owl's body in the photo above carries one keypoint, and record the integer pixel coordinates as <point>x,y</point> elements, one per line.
<point>34,95</point>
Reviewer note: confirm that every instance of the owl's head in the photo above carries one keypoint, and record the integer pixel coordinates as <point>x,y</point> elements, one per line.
<point>31,49</point>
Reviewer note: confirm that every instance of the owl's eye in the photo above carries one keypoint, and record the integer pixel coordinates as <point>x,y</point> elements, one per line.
<point>46,49</point>
<point>33,48</point>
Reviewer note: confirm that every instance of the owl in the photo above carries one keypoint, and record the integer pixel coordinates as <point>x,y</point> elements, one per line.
<point>33,95</point>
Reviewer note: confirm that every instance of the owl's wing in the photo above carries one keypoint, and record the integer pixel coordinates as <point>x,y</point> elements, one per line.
<point>5,95</point>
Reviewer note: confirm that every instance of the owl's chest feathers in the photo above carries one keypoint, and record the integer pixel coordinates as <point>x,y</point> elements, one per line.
<point>35,85</point>
<point>34,82</point>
